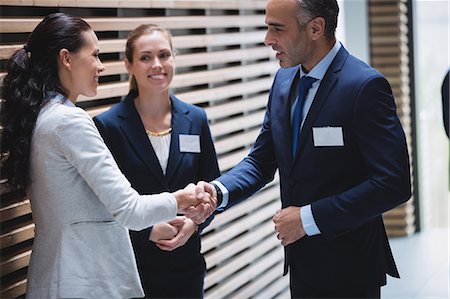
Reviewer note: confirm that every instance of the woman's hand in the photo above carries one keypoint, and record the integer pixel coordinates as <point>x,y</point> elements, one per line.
<point>166,231</point>
<point>186,228</point>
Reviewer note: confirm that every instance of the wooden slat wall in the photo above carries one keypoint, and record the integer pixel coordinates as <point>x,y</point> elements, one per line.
<point>389,48</point>
<point>222,66</point>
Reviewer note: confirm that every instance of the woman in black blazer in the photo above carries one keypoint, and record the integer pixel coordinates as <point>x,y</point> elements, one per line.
<point>161,144</point>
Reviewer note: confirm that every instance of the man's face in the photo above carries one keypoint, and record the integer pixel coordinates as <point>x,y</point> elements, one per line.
<point>284,35</point>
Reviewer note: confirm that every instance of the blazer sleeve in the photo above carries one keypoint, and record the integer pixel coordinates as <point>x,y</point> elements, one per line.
<point>208,166</point>
<point>81,144</point>
<point>382,144</point>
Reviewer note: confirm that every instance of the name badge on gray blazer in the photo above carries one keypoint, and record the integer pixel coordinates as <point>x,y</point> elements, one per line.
<point>328,136</point>
<point>189,143</point>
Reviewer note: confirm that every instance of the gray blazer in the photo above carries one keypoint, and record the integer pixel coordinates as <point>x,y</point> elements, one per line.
<point>83,207</point>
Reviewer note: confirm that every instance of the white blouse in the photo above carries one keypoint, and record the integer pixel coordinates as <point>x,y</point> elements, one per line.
<point>161,145</point>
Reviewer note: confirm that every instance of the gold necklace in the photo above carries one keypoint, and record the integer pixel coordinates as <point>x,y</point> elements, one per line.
<point>162,133</point>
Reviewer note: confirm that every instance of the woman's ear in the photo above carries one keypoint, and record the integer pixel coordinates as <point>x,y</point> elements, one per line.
<point>128,66</point>
<point>64,58</point>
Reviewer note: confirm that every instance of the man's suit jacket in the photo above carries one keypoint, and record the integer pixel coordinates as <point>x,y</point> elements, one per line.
<point>125,135</point>
<point>82,208</point>
<point>445,90</point>
<point>348,186</point>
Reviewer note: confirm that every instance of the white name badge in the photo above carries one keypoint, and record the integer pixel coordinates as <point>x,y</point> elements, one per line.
<point>189,143</point>
<point>328,136</point>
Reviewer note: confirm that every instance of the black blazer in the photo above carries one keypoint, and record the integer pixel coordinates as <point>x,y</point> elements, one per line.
<point>124,133</point>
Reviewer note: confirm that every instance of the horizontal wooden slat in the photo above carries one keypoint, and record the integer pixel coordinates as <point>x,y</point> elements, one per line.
<point>399,221</point>
<point>261,198</point>
<point>15,262</point>
<point>386,40</point>
<point>110,90</point>
<point>242,277</point>
<point>231,108</point>
<point>224,74</point>
<point>392,9</point>
<point>239,244</point>
<point>14,289</point>
<point>218,39</point>
<point>197,59</point>
<point>179,42</point>
<point>16,235</point>
<point>240,226</point>
<point>271,282</point>
<point>403,211</point>
<point>236,124</point>
<point>18,25</point>
<point>15,209</point>
<point>384,30</point>
<point>284,295</point>
<point>390,60</point>
<point>388,50</point>
<point>240,261</point>
<point>236,141</point>
<point>226,162</point>
<point>384,19</point>
<point>189,4</point>
<point>224,92</point>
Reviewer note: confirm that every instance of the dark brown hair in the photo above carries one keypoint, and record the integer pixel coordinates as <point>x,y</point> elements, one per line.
<point>31,73</point>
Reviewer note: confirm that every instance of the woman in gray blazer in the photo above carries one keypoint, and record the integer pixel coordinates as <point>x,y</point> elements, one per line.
<point>82,204</point>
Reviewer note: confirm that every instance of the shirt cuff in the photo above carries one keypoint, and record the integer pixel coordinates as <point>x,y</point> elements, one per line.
<point>309,224</point>
<point>225,195</point>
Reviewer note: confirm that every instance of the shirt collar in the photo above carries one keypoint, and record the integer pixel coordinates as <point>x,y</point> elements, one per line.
<point>56,97</point>
<point>318,72</point>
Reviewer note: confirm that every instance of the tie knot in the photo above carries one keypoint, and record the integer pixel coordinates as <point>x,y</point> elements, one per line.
<point>306,83</point>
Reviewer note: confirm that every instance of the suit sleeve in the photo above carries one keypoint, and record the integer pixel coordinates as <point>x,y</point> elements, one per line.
<point>209,167</point>
<point>382,144</point>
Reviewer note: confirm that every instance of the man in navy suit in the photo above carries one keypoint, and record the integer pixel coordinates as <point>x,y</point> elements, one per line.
<point>348,166</point>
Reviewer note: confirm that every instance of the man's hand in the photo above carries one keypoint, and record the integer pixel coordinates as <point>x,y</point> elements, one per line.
<point>185,229</point>
<point>288,225</point>
<point>203,199</point>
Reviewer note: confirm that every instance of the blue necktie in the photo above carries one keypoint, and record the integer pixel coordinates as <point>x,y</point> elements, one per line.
<point>304,85</point>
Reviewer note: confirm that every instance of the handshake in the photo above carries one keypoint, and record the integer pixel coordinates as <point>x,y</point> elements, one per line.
<point>197,202</point>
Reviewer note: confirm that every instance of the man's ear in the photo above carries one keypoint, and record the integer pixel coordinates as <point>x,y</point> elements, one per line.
<point>64,58</point>
<point>318,27</point>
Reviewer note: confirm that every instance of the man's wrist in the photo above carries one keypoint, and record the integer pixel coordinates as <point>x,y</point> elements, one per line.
<point>218,194</point>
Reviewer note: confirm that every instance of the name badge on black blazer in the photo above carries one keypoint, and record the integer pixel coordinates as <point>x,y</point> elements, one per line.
<point>328,136</point>
<point>189,143</point>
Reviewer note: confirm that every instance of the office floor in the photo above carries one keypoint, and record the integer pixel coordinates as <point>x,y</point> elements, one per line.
<point>424,266</point>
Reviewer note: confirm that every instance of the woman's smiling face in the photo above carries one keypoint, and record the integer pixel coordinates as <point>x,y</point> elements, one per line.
<point>153,64</point>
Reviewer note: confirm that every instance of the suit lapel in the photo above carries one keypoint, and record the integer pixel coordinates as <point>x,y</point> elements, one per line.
<point>134,131</point>
<point>325,88</point>
<point>181,124</point>
<point>282,114</point>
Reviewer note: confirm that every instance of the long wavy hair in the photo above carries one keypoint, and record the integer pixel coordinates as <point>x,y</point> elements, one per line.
<point>31,73</point>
